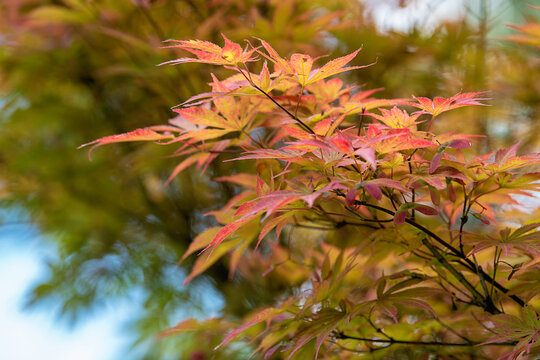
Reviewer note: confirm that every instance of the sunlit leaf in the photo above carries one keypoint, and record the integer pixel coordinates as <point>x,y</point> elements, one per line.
<point>264,315</point>
<point>523,238</point>
<point>439,105</point>
<point>209,53</point>
<point>525,330</point>
<point>145,134</point>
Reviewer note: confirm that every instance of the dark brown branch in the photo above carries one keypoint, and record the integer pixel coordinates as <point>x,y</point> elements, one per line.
<point>455,251</point>
<point>361,120</point>
<point>341,335</point>
<point>376,328</point>
<point>291,115</point>
<point>478,298</point>
<point>452,330</point>
<point>413,199</point>
<point>464,219</point>
<point>325,228</point>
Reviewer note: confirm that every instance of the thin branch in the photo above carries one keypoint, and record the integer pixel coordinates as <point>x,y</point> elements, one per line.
<point>341,335</point>
<point>291,115</point>
<point>437,238</point>
<point>413,199</point>
<point>328,228</point>
<point>368,220</point>
<point>464,218</point>
<point>376,328</point>
<point>371,350</point>
<point>361,120</point>
<point>489,300</point>
<point>449,328</point>
<point>338,224</point>
<point>287,111</point>
<point>482,324</point>
<point>478,298</point>
<point>460,291</point>
<point>496,259</point>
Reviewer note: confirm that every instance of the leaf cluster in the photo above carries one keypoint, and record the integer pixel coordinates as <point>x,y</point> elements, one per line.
<point>361,213</point>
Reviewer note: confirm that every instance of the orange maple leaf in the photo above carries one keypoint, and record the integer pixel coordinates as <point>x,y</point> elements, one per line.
<point>439,105</point>
<point>209,53</point>
<point>300,67</point>
<point>396,118</point>
<point>144,134</point>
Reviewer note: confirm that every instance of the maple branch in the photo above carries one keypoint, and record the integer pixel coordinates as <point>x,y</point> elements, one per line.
<point>344,348</point>
<point>440,282</point>
<point>258,143</point>
<point>496,259</point>
<point>291,115</point>
<point>464,218</point>
<point>455,251</point>
<point>463,221</point>
<point>361,120</point>
<point>378,329</point>
<point>338,224</point>
<point>464,338</point>
<point>327,228</point>
<point>489,299</point>
<point>390,195</point>
<point>478,298</point>
<point>416,225</point>
<point>413,190</point>
<point>341,335</point>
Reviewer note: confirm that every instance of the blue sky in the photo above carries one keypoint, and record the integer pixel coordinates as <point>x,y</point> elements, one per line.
<point>30,334</point>
<point>36,334</point>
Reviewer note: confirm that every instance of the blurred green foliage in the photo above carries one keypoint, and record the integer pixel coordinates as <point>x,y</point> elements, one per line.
<point>74,70</point>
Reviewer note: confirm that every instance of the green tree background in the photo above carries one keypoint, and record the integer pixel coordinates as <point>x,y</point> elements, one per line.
<point>72,71</point>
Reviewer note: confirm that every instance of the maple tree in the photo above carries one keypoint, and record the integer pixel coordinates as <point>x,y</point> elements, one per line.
<point>387,238</point>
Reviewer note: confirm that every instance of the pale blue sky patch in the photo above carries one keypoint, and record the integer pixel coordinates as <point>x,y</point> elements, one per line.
<point>36,334</point>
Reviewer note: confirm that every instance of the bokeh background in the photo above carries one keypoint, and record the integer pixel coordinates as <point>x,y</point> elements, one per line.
<point>89,249</point>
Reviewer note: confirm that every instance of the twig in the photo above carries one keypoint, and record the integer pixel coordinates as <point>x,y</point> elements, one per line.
<point>361,120</point>
<point>341,335</point>
<point>478,298</point>
<point>291,115</point>
<point>455,251</point>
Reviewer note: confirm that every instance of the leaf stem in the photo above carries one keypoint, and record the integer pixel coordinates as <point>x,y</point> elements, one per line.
<point>413,199</point>
<point>361,120</point>
<point>430,122</point>
<point>464,219</point>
